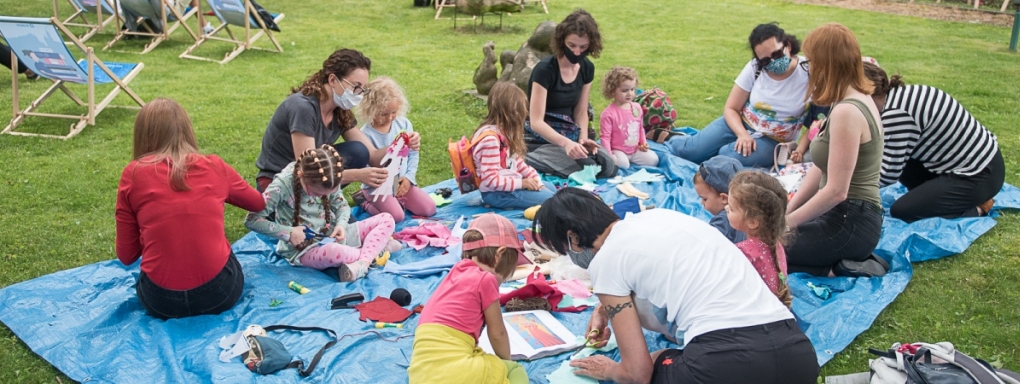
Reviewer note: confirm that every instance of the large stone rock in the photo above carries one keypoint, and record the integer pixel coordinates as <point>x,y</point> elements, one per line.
<point>480,7</point>
<point>533,51</point>
<point>485,74</point>
<point>506,58</point>
<point>542,36</point>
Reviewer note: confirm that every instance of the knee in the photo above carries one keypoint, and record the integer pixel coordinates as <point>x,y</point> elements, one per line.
<point>428,210</point>
<point>387,218</point>
<point>901,210</point>
<point>354,154</point>
<point>396,215</point>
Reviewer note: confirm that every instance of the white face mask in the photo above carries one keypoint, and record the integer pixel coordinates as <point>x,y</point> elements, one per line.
<point>348,100</point>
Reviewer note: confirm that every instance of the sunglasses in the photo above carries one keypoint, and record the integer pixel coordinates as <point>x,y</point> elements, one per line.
<point>776,55</point>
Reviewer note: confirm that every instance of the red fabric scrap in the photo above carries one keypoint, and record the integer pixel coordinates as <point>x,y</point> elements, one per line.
<point>382,309</point>
<point>537,286</point>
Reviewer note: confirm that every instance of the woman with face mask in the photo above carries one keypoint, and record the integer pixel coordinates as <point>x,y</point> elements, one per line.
<point>559,140</point>
<point>766,106</point>
<point>320,112</point>
<point>670,273</point>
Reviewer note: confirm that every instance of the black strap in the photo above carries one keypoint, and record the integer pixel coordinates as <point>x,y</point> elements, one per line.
<point>318,355</point>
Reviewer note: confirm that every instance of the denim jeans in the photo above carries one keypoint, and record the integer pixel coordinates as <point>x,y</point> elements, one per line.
<point>850,230</point>
<point>213,297</point>
<point>519,199</point>
<point>718,139</point>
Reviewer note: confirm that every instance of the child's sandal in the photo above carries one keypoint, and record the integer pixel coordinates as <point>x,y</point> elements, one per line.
<point>660,135</point>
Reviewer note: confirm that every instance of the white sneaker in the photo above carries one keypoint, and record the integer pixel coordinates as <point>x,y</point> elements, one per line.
<point>207,29</point>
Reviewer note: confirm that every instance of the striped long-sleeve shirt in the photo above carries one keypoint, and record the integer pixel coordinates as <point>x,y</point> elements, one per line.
<point>926,124</point>
<point>489,165</point>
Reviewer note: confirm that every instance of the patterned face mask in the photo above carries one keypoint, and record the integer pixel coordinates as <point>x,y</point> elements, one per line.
<point>778,66</point>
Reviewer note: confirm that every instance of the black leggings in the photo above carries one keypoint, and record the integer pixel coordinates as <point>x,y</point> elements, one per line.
<point>5,58</point>
<point>773,353</point>
<point>213,297</point>
<point>947,195</point>
<point>850,230</point>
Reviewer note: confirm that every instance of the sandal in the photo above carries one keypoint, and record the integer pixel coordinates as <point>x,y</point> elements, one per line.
<point>31,75</point>
<point>657,136</point>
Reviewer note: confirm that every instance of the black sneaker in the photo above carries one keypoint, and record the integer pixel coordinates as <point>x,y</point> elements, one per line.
<point>873,266</point>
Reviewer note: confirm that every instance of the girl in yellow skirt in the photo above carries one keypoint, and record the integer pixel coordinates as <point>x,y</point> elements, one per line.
<point>446,341</point>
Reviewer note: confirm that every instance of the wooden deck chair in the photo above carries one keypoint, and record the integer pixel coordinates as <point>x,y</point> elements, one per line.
<point>239,14</point>
<point>82,8</point>
<point>159,11</point>
<point>37,42</point>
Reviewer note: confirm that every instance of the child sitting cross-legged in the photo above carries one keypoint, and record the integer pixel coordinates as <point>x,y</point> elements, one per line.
<point>712,183</point>
<point>384,111</point>
<point>305,197</point>
<point>445,348</point>
<point>623,134</point>
<point>757,206</point>
<point>506,181</point>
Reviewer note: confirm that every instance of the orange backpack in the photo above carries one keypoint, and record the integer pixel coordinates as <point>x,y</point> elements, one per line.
<point>463,163</point>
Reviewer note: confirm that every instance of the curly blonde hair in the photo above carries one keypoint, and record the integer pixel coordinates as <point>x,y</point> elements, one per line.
<point>384,91</point>
<point>615,77</point>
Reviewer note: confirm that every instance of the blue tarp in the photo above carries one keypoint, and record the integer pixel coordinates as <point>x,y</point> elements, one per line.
<point>88,322</point>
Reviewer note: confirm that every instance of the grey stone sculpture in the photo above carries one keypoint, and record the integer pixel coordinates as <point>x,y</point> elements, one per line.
<point>531,52</point>
<point>485,75</point>
<point>480,7</point>
<point>506,60</point>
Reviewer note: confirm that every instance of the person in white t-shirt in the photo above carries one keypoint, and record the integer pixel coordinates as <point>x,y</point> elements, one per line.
<point>671,273</point>
<point>766,106</point>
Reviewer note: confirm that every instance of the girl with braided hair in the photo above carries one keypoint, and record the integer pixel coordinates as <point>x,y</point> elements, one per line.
<point>305,197</point>
<point>757,206</point>
<point>319,112</point>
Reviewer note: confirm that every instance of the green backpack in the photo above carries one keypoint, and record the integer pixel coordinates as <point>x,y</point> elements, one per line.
<point>658,109</point>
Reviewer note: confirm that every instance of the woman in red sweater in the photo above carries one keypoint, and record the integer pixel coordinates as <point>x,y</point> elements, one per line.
<point>170,205</point>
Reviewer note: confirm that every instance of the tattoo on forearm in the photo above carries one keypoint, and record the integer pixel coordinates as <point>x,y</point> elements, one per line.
<point>612,310</point>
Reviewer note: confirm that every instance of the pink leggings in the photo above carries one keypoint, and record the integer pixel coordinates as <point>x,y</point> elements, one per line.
<point>415,200</point>
<point>375,232</point>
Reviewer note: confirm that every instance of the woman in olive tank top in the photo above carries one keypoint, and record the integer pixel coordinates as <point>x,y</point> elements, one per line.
<point>837,213</point>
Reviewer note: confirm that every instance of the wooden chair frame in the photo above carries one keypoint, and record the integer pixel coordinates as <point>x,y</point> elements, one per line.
<point>157,38</point>
<point>441,4</point>
<point>241,45</point>
<point>91,28</point>
<point>93,108</point>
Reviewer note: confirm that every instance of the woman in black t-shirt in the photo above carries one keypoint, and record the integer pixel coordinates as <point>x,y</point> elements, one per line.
<point>559,140</point>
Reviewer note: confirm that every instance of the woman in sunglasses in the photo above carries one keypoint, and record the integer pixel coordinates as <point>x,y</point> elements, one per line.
<point>320,112</point>
<point>766,106</point>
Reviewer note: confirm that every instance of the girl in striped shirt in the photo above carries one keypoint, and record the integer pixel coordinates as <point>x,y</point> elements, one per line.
<point>950,163</point>
<point>506,181</point>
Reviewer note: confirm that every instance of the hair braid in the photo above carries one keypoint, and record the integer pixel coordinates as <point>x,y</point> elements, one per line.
<point>763,198</point>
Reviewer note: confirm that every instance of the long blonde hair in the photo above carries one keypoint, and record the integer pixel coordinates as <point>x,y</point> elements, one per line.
<point>163,132</point>
<point>508,107</point>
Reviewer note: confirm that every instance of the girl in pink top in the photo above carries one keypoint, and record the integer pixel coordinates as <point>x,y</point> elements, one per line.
<point>757,206</point>
<point>445,346</point>
<point>622,132</point>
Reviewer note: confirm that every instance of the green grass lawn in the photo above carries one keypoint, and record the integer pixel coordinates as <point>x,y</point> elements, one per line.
<point>57,197</point>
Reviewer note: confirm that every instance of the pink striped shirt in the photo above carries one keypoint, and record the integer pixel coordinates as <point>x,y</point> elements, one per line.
<point>489,165</point>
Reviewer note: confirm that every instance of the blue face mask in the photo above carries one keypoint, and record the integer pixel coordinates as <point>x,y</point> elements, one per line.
<point>778,66</point>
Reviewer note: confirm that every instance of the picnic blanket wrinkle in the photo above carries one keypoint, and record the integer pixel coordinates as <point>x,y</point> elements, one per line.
<point>87,321</point>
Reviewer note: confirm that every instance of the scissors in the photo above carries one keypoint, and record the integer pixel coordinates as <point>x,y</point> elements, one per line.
<point>587,342</point>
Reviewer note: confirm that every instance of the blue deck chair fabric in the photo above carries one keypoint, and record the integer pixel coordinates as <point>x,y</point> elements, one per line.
<point>87,321</point>
<point>38,44</point>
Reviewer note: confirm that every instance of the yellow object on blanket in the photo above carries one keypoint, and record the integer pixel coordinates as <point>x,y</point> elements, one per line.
<point>441,354</point>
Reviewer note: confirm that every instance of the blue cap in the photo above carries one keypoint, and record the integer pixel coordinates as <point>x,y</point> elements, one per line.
<point>718,171</point>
